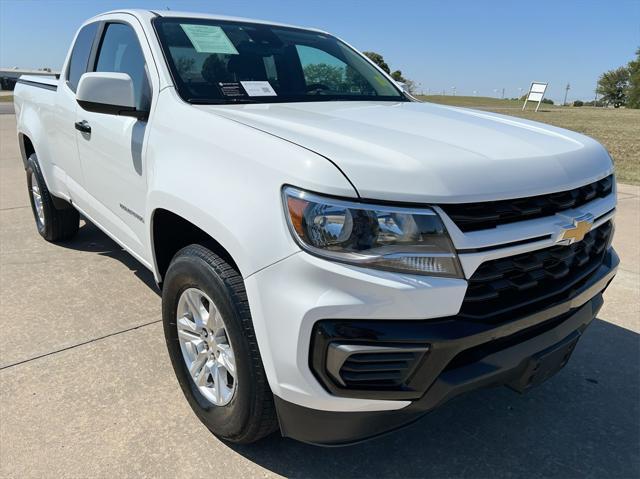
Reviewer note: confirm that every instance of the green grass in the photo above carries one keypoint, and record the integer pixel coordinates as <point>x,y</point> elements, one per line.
<point>617,129</point>
<point>477,101</point>
<point>7,98</point>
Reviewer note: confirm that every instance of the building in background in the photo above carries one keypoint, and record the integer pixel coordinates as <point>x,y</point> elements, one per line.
<point>9,76</point>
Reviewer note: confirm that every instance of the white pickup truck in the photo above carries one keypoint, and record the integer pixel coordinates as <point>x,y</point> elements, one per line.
<point>335,257</point>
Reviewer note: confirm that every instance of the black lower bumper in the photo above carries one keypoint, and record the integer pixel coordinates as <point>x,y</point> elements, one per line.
<point>462,357</point>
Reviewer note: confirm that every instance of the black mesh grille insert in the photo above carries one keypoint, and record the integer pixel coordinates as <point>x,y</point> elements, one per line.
<point>515,286</point>
<point>489,214</point>
<point>379,370</point>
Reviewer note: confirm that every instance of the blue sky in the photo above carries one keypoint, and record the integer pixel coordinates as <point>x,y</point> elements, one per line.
<point>478,46</point>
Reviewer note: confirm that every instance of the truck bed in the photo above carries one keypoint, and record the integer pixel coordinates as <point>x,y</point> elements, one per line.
<point>40,81</point>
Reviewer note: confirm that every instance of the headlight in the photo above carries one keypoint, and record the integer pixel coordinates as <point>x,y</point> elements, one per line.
<point>391,238</point>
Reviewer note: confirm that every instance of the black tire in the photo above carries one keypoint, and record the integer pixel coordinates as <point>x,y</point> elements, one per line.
<point>59,223</point>
<point>250,415</point>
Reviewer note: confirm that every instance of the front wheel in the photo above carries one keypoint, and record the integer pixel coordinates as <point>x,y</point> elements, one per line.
<point>212,346</point>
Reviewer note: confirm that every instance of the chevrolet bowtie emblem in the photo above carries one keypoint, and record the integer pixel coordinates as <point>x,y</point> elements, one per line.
<point>577,231</point>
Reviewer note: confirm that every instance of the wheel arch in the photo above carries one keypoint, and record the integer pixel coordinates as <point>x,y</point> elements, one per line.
<point>32,137</point>
<point>170,232</point>
<point>26,147</point>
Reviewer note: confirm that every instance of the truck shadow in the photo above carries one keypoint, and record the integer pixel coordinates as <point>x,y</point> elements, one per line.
<point>583,422</point>
<point>91,239</point>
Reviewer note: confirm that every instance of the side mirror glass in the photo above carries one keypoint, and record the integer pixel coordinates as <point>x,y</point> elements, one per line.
<point>108,93</point>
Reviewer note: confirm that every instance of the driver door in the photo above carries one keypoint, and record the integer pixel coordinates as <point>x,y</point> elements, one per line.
<point>111,147</point>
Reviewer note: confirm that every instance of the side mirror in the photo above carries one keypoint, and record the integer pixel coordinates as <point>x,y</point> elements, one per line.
<point>108,93</point>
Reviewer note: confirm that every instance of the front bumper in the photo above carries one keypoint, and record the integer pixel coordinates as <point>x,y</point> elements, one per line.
<point>462,356</point>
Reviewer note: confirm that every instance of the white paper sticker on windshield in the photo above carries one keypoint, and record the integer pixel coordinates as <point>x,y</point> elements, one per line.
<point>258,88</point>
<point>209,39</point>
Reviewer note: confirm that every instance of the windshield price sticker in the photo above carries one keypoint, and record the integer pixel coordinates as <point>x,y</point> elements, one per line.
<point>209,39</point>
<point>258,88</point>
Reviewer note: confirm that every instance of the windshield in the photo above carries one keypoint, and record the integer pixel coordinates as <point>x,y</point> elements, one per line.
<point>215,61</point>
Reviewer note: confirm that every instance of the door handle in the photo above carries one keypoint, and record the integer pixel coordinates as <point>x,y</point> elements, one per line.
<point>83,126</point>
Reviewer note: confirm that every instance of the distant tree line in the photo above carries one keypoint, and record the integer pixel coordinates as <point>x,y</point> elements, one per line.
<point>621,86</point>
<point>547,101</point>
<point>589,103</point>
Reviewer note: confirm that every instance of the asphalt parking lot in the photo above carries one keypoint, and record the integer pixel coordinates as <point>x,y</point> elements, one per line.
<point>87,390</point>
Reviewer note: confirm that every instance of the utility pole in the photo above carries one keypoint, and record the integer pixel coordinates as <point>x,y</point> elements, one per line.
<point>503,93</point>
<point>566,91</point>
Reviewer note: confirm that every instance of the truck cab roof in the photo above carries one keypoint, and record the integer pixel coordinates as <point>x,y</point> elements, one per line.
<point>150,14</point>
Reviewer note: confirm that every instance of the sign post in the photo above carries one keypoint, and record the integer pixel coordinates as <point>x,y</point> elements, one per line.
<point>536,93</point>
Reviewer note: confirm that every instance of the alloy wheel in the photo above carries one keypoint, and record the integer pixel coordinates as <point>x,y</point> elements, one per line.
<point>205,346</point>
<point>37,199</point>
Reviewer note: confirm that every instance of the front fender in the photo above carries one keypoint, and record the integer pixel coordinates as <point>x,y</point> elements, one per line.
<point>226,178</point>
<point>180,206</point>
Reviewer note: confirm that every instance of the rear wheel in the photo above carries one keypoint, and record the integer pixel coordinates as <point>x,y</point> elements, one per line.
<point>53,223</point>
<point>213,348</point>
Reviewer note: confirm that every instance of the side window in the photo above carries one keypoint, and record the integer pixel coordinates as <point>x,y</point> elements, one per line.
<point>80,55</point>
<point>120,52</point>
<point>326,72</point>
<point>320,67</point>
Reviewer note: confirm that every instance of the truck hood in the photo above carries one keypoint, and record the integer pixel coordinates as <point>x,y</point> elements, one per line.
<point>428,153</point>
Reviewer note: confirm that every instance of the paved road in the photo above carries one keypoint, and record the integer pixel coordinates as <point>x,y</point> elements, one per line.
<point>86,388</point>
<point>6,108</point>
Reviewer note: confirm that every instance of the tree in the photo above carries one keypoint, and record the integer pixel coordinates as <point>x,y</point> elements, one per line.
<point>409,85</point>
<point>378,60</point>
<point>358,82</point>
<point>634,82</point>
<point>613,86</point>
<point>185,65</point>
<point>323,74</point>
<point>397,76</point>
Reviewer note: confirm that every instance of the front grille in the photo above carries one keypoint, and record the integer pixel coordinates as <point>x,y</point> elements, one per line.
<point>516,286</point>
<point>378,370</point>
<point>489,214</point>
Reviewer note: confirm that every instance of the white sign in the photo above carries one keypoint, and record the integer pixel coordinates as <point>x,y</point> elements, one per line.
<point>536,93</point>
<point>258,88</point>
<point>538,87</point>
<point>209,39</point>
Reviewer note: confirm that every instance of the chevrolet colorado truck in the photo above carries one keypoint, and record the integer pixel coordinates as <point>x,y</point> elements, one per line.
<point>335,257</point>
